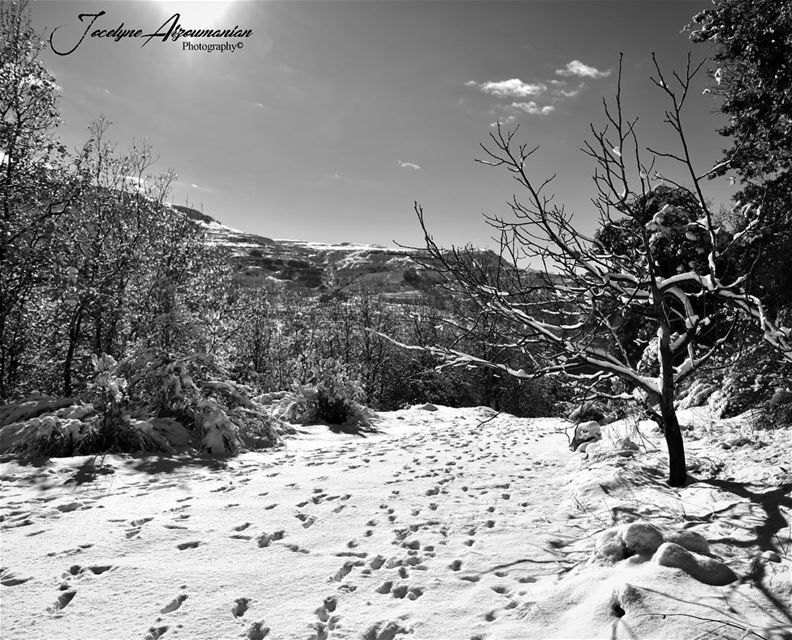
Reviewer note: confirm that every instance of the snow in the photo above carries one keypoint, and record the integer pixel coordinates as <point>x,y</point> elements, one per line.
<point>445,523</point>
<point>343,246</point>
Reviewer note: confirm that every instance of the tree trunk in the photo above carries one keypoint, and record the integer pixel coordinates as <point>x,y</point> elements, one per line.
<point>677,468</point>
<point>74,335</point>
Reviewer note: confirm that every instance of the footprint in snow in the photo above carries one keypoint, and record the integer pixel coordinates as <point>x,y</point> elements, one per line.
<point>344,571</point>
<point>8,579</point>
<point>69,506</point>
<point>266,539</point>
<point>306,519</point>
<point>174,604</point>
<point>77,570</point>
<point>63,600</point>
<point>257,631</point>
<point>154,633</point>
<point>136,526</point>
<point>188,545</point>
<point>385,587</point>
<point>240,607</point>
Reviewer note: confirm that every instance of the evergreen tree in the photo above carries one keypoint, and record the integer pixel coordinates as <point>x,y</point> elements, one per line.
<point>753,80</point>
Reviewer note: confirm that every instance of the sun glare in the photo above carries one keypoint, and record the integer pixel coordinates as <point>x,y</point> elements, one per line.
<point>197,14</point>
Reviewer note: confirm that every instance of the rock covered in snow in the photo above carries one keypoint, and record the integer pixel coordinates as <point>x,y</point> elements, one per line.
<point>586,432</point>
<point>641,538</point>
<point>635,538</point>
<point>702,568</point>
<point>426,407</point>
<point>590,429</point>
<point>626,447</point>
<point>690,540</point>
<point>610,546</point>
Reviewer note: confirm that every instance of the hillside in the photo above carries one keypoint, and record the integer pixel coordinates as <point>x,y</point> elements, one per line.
<point>322,268</point>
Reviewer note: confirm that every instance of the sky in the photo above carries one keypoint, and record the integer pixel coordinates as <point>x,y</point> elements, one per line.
<point>335,116</point>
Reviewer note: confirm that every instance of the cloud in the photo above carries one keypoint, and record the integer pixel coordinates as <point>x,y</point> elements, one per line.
<point>580,70</point>
<point>513,88</point>
<point>533,109</point>
<point>569,93</point>
<point>408,165</point>
<point>198,187</point>
<point>508,120</point>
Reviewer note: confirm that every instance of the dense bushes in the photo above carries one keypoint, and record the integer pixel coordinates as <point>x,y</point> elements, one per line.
<point>282,338</point>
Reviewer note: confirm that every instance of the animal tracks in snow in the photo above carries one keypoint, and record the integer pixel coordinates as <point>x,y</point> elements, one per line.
<point>241,605</point>
<point>76,570</point>
<point>63,601</point>
<point>266,539</point>
<point>9,579</point>
<point>385,524</point>
<point>188,545</point>
<point>174,604</point>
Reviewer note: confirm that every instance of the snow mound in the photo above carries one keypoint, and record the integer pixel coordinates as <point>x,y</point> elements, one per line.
<point>702,568</point>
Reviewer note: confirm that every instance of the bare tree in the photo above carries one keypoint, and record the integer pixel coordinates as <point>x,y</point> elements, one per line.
<point>632,311</point>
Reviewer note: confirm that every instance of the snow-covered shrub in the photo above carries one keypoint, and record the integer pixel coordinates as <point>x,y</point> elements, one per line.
<point>107,392</point>
<point>48,435</point>
<point>750,379</point>
<point>79,429</point>
<point>113,429</point>
<point>778,412</point>
<point>220,435</point>
<point>191,389</point>
<point>334,397</point>
<point>256,427</point>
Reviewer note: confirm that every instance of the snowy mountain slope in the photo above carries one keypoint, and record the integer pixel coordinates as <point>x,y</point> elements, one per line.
<point>454,523</point>
<point>318,267</point>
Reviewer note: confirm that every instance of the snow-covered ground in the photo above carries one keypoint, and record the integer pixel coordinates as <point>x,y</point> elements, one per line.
<point>455,523</point>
